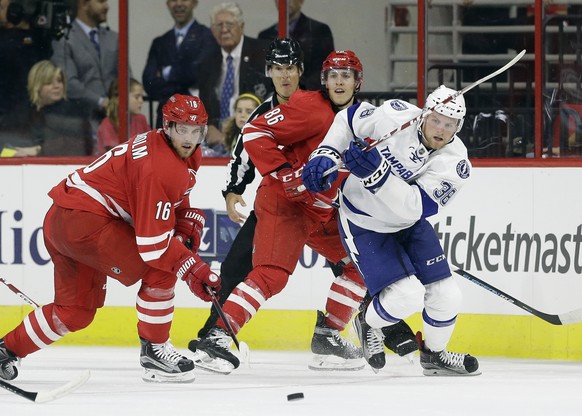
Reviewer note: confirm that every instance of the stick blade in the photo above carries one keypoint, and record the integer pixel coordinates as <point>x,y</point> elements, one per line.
<point>572,317</point>
<point>48,396</point>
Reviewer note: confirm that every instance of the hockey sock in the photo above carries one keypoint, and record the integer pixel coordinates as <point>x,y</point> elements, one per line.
<point>38,329</point>
<point>343,300</point>
<point>155,311</point>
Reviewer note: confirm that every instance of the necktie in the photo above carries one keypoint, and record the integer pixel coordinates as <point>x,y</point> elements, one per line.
<point>93,37</point>
<point>227,89</point>
<point>179,39</point>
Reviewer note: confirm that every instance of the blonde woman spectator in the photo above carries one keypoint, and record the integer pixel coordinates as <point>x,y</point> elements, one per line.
<point>108,131</point>
<point>243,108</point>
<point>57,126</point>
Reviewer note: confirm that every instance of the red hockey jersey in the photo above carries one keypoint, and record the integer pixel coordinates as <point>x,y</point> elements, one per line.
<point>142,182</point>
<point>288,134</point>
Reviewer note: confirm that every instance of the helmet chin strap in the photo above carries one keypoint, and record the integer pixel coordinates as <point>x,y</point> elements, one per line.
<point>282,96</point>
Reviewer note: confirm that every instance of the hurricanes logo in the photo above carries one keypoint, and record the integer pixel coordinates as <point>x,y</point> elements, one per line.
<point>116,270</point>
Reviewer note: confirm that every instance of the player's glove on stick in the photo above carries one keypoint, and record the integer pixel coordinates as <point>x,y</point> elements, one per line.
<point>293,186</point>
<point>196,274</point>
<point>370,166</point>
<point>189,227</point>
<point>320,160</point>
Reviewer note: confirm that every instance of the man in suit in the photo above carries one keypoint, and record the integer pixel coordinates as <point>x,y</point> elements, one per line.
<point>315,39</point>
<point>174,58</point>
<point>247,56</point>
<point>89,57</point>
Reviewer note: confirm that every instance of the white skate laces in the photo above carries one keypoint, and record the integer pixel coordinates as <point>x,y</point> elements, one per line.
<point>375,340</point>
<point>453,359</point>
<point>166,352</point>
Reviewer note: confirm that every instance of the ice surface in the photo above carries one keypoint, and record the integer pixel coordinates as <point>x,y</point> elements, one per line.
<point>506,387</point>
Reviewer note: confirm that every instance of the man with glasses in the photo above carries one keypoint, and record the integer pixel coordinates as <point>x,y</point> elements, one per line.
<point>391,190</point>
<point>127,215</point>
<point>237,68</point>
<point>174,58</point>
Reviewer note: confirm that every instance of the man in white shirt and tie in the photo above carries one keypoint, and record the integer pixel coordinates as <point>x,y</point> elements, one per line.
<point>238,68</point>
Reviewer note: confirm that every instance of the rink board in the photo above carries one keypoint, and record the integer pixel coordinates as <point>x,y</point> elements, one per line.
<point>481,335</point>
<point>517,228</point>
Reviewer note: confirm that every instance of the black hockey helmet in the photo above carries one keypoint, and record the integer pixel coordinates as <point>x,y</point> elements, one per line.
<point>285,51</point>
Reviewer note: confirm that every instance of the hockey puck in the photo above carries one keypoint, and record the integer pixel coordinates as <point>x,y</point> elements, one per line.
<point>295,396</point>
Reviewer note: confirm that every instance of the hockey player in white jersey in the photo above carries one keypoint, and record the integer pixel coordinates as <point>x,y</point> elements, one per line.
<point>391,190</point>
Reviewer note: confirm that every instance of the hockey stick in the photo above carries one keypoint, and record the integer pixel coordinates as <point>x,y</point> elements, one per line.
<point>571,317</point>
<point>49,395</point>
<point>242,347</point>
<point>19,293</point>
<point>433,108</point>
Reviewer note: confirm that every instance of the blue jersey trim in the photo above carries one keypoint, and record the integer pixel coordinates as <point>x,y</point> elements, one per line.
<point>351,111</point>
<point>352,208</point>
<point>429,207</point>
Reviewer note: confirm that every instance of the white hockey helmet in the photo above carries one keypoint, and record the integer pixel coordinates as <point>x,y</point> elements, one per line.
<point>454,108</point>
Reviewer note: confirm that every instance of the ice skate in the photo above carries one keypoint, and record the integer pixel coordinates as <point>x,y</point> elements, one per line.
<point>400,339</point>
<point>212,352</point>
<point>163,364</point>
<point>372,342</point>
<point>446,363</point>
<point>8,363</point>
<point>332,351</point>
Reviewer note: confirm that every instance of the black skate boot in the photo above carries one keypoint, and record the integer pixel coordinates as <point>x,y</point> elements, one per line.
<point>445,363</point>
<point>332,351</point>
<point>400,339</point>
<point>372,342</point>
<point>163,364</point>
<point>8,363</point>
<point>212,352</point>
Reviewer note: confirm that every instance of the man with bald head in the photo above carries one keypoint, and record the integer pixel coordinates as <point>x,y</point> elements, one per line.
<point>174,57</point>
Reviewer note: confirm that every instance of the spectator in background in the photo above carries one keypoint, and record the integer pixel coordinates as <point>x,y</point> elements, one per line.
<point>21,47</point>
<point>237,67</point>
<point>89,57</point>
<point>108,131</point>
<point>244,106</point>
<point>174,58</point>
<point>315,38</point>
<point>57,126</point>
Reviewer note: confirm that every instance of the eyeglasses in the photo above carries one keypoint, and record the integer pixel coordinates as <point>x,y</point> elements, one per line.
<point>227,25</point>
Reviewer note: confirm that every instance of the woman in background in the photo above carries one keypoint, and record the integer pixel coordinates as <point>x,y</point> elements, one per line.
<point>108,131</point>
<point>57,126</point>
<point>243,108</point>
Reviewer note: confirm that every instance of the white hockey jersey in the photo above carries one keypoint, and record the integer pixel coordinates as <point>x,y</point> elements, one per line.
<point>421,181</point>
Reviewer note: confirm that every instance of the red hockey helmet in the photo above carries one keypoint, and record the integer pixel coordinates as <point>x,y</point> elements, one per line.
<point>185,109</point>
<point>343,60</point>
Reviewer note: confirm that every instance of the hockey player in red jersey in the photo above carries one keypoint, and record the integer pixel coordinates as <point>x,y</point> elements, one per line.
<point>288,217</point>
<point>125,215</point>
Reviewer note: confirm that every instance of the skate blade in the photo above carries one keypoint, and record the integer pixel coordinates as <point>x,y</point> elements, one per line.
<point>213,365</point>
<point>335,363</point>
<point>157,376</point>
<point>440,372</point>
